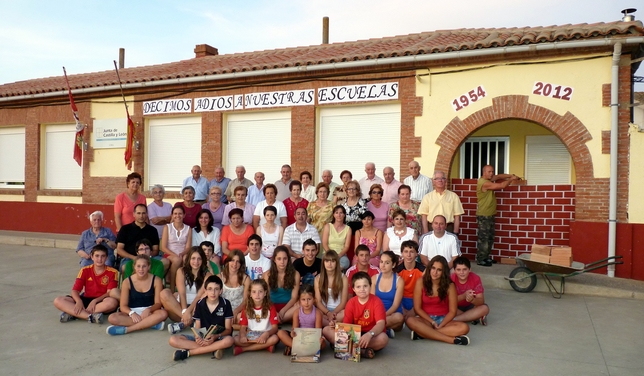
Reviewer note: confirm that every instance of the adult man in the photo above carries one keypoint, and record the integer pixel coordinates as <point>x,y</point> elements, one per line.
<point>369,180</point>
<point>298,232</point>
<point>441,201</point>
<point>390,186</point>
<point>471,301</point>
<point>283,192</point>
<point>255,191</point>
<point>240,171</point>
<point>256,263</point>
<point>486,210</point>
<point>327,177</point>
<point>419,183</point>
<point>309,265</point>
<point>439,242</point>
<point>220,181</point>
<point>131,233</point>
<point>199,183</point>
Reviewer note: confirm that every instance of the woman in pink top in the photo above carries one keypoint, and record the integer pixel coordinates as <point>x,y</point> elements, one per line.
<point>176,242</point>
<point>379,208</point>
<point>126,201</point>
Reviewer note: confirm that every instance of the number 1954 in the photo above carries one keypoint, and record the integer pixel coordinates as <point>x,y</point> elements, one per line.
<point>469,98</point>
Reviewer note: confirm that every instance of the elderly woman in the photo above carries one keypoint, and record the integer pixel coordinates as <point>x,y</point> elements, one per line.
<point>308,189</point>
<point>340,192</point>
<point>126,201</point>
<point>239,194</point>
<point>215,206</point>
<point>355,205</point>
<point>409,207</point>
<point>270,192</point>
<point>320,210</point>
<point>189,206</point>
<point>159,212</point>
<point>294,202</point>
<point>97,234</point>
<point>379,208</point>
<point>398,233</point>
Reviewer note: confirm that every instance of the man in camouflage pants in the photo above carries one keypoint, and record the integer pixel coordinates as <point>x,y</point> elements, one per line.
<point>486,211</point>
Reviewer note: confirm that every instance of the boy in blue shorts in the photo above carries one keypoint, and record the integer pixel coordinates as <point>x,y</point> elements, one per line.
<point>211,310</point>
<point>410,271</point>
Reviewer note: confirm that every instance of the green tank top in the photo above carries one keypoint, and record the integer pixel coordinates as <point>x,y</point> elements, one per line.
<point>486,200</point>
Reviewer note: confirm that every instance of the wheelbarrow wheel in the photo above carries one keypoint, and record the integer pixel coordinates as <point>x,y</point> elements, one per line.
<point>525,282</point>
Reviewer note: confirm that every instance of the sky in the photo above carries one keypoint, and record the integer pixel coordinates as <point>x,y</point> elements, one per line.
<point>38,38</point>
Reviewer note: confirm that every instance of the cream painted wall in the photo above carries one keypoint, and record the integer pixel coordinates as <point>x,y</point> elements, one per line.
<point>586,77</point>
<point>17,198</point>
<point>60,199</point>
<point>636,178</point>
<point>109,162</point>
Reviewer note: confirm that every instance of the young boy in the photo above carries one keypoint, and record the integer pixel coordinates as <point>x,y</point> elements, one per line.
<point>366,310</point>
<point>256,263</point>
<point>309,265</point>
<point>95,281</point>
<point>471,302</point>
<point>363,265</point>
<point>211,310</point>
<point>410,271</point>
<point>209,250</point>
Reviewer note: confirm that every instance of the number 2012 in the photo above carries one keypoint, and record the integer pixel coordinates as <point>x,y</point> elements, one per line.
<point>553,91</point>
<point>469,98</point>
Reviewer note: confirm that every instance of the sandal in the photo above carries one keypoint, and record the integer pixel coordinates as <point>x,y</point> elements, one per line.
<point>369,353</point>
<point>287,351</point>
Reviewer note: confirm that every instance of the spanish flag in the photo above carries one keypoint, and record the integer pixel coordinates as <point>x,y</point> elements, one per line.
<point>78,138</point>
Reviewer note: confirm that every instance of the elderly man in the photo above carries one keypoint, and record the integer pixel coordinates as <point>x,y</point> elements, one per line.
<point>327,177</point>
<point>131,233</point>
<point>439,242</point>
<point>220,181</point>
<point>441,201</point>
<point>419,183</point>
<point>298,232</point>
<point>199,183</point>
<point>369,180</point>
<point>97,234</point>
<point>486,211</point>
<point>283,191</point>
<point>240,171</point>
<point>390,186</point>
<point>256,191</point>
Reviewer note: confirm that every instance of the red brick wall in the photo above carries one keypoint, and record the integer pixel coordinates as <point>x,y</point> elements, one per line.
<point>527,214</point>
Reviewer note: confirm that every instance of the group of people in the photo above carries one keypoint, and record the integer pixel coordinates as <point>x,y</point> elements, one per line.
<point>280,258</point>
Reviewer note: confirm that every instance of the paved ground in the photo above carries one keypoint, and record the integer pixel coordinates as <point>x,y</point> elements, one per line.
<point>528,334</point>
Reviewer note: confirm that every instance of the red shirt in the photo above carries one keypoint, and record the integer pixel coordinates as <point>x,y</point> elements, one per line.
<point>433,306</point>
<point>473,283</point>
<point>95,285</point>
<point>291,207</point>
<point>258,323</point>
<point>235,241</point>
<point>366,315</point>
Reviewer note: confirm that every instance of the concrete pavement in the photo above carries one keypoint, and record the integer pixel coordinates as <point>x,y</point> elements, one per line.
<point>529,334</point>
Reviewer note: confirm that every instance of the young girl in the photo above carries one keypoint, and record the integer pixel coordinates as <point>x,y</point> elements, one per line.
<point>208,249</point>
<point>331,290</point>
<point>388,286</point>
<point>410,271</point>
<point>258,316</point>
<point>270,232</point>
<point>236,282</point>
<point>140,301</point>
<point>284,283</point>
<point>435,302</point>
<point>371,237</point>
<point>190,278</point>
<point>308,317</point>
<point>176,242</point>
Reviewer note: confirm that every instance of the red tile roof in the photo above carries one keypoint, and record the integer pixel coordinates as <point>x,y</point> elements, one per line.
<point>413,44</point>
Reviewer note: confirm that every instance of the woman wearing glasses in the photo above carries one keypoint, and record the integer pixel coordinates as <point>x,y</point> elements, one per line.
<point>379,208</point>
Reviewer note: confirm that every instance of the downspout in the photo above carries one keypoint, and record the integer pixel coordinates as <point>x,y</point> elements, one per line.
<point>612,195</point>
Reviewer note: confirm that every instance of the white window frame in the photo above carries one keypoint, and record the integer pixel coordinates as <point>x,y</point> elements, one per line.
<point>547,161</point>
<point>475,171</point>
<point>12,157</point>
<point>61,170</point>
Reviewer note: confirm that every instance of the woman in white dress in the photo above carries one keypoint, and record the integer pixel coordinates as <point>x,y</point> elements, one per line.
<point>398,233</point>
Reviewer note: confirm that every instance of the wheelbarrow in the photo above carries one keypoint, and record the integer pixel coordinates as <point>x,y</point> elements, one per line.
<point>524,277</point>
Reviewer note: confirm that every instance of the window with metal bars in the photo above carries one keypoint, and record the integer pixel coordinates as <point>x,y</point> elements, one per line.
<point>477,152</point>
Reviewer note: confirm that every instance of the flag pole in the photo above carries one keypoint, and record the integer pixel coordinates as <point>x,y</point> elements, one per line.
<point>130,125</point>
<point>80,128</point>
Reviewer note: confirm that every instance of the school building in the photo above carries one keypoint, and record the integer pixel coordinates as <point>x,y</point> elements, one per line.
<point>551,104</point>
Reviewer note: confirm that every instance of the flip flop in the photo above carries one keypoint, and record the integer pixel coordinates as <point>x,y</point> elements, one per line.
<point>369,353</point>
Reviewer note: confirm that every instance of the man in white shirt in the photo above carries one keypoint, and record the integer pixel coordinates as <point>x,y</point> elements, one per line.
<point>419,183</point>
<point>255,191</point>
<point>283,191</point>
<point>439,242</point>
<point>369,180</point>
<point>390,186</point>
<point>327,177</point>
<point>256,263</point>
<point>298,232</point>
<point>199,183</point>
<point>240,171</point>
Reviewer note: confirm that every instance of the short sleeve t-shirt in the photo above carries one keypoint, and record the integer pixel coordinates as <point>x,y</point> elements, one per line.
<point>207,318</point>
<point>307,273</point>
<point>93,284</point>
<point>259,323</point>
<point>256,268</point>
<point>410,277</point>
<point>156,268</point>
<point>473,283</point>
<point>366,315</point>
<point>130,234</point>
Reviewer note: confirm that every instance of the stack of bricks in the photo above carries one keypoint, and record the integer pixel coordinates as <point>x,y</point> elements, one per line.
<point>526,214</point>
<point>540,253</point>
<point>561,256</point>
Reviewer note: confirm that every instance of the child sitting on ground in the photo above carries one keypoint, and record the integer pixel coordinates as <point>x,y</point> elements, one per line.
<point>258,321</point>
<point>410,270</point>
<point>471,302</point>
<point>308,317</point>
<point>211,310</point>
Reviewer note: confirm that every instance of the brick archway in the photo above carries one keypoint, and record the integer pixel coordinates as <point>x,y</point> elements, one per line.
<point>591,193</point>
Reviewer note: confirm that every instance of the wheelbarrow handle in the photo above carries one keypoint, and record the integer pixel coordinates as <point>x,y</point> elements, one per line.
<point>618,260</point>
<point>602,265</point>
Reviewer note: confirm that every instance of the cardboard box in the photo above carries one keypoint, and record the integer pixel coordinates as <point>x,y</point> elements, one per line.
<point>508,261</point>
<point>561,251</point>
<point>540,258</point>
<point>561,260</point>
<point>541,249</point>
